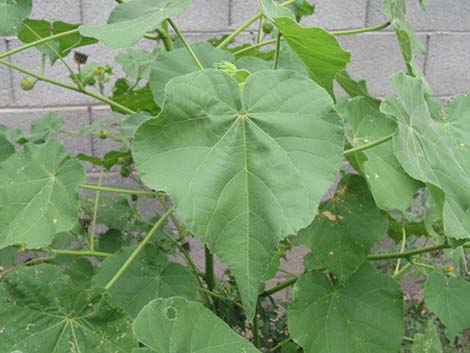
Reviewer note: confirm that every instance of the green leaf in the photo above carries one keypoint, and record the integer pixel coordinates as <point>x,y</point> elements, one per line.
<point>139,99</point>
<point>427,342</point>
<point>244,169</point>
<point>447,297</point>
<point>178,63</point>
<point>273,10</point>
<point>356,88</point>
<point>176,325</point>
<point>37,189</point>
<point>346,229</point>
<point>434,149</point>
<point>37,29</point>
<point>43,129</point>
<point>395,11</point>
<point>12,134</point>
<point>318,49</point>
<point>391,187</point>
<point>129,125</point>
<point>301,8</point>
<point>253,64</point>
<point>363,316</point>
<point>136,63</point>
<point>8,256</point>
<point>46,312</point>
<point>6,148</point>
<point>113,211</point>
<point>129,21</point>
<point>150,276</point>
<point>12,15</point>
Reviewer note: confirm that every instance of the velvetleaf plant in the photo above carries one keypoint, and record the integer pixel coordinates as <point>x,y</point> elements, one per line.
<point>251,148</point>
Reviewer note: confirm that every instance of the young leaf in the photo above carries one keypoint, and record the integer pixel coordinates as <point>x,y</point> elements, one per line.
<point>427,342</point>
<point>347,227</point>
<point>129,21</point>
<point>43,129</point>
<point>176,325</point>
<point>356,88</point>
<point>447,297</point>
<point>6,148</point>
<point>318,49</point>
<point>12,15</point>
<point>434,149</point>
<point>37,29</point>
<point>37,189</point>
<point>363,316</point>
<point>41,310</point>
<point>150,276</point>
<point>273,10</point>
<point>391,187</point>
<point>244,169</point>
<point>140,99</point>
<point>178,62</point>
<point>136,63</point>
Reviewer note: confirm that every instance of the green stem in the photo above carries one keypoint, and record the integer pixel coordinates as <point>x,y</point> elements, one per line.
<point>419,264</point>
<point>361,30</point>
<point>256,335</point>
<point>336,33</point>
<point>277,55</point>
<point>279,287</point>
<point>67,86</point>
<point>166,38</point>
<point>369,145</point>
<point>402,271</point>
<point>31,262</point>
<point>95,212</point>
<point>389,256</point>
<point>223,297</point>
<point>79,253</point>
<point>402,249</point>
<point>209,275</point>
<point>279,345</point>
<point>137,251</point>
<point>37,42</point>
<point>245,25</point>
<point>186,44</point>
<point>179,227</point>
<point>118,191</point>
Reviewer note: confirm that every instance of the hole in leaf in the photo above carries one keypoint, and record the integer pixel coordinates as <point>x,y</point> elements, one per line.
<point>170,313</point>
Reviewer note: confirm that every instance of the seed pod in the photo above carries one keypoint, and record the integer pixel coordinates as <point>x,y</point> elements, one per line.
<point>268,27</point>
<point>80,58</point>
<point>85,221</point>
<point>28,83</point>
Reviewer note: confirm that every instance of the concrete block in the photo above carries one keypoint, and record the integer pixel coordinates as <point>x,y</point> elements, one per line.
<point>205,15</point>
<point>53,10</point>
<point>6,96</point>
<point>443,15</point>
<point>338,14</point>
<point>447,63</point>
<point>96,11</point>
<point>74,119</point>
<point>376,57</point>
<point>331,14</point>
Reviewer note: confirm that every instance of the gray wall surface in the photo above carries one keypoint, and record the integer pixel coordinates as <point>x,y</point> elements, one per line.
<point>375,56</point>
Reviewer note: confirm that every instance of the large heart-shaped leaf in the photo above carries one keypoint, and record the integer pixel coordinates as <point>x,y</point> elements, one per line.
<point>37,29</point>
<point>363,316</point>
<point>434,148</point>
<point>348,226</point>
<point>129,21</point>
<point>391,187</point>
<point>12,15</point>
<point>448,299</point>
<point>178,62</point>
<point>244,169</point>
<point>43,311</point>
<point>150,276</point>
<point>176,325</point>
<point>37,189</point>
<point>318,49</point>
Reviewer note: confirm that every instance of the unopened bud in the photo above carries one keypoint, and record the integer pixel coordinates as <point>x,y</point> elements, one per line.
<point>27,83</point>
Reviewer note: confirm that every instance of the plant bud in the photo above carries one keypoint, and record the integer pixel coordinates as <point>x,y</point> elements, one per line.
<point>27,83</point>
<point>80,58</point>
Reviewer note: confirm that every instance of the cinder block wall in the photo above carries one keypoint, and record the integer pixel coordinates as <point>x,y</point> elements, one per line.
<point>445,33</point>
